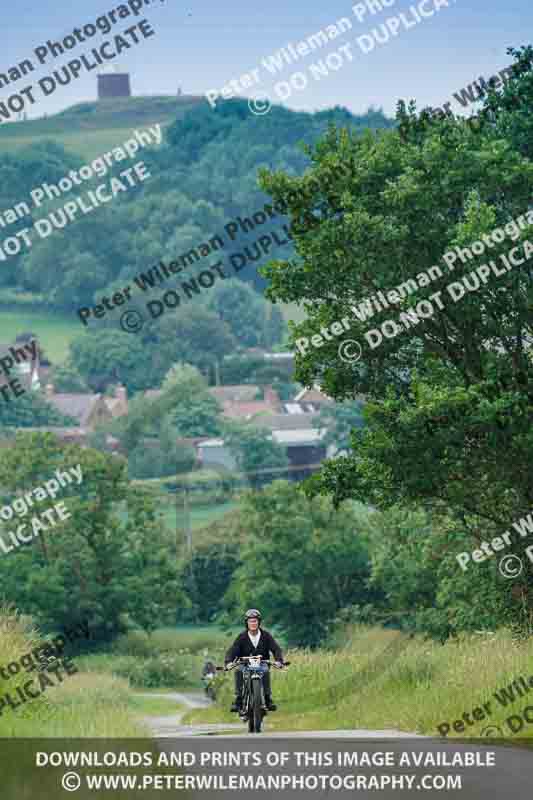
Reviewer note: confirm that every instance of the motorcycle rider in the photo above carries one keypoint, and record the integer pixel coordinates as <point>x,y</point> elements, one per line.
<point>208,668</point>
<point>208,673</point>
<point>254,641</point>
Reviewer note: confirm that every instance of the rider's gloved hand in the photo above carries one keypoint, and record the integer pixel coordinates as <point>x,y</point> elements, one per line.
<point>278,664</point>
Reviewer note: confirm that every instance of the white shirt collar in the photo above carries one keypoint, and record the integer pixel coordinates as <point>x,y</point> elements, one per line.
<point>254,637</point>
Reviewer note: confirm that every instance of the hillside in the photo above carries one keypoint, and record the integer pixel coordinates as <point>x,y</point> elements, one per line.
<point>88,129</point>
<point>202,175</point>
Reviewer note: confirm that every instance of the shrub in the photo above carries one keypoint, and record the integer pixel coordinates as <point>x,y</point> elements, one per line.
<point>165,669</point>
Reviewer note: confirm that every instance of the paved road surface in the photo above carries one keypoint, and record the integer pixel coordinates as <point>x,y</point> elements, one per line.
<point>511,777</point>
<point>171,727</point>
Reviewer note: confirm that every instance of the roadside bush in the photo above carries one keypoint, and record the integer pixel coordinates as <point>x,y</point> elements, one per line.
<point>164,670</point>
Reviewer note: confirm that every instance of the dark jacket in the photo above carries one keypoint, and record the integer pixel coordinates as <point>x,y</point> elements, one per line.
<point>242,646</point>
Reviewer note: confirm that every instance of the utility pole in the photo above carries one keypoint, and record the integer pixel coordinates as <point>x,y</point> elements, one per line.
<point>187,520</point>
<point>183,510</point>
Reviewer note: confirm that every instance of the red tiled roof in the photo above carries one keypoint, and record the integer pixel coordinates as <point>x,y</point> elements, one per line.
<point>245,410</point>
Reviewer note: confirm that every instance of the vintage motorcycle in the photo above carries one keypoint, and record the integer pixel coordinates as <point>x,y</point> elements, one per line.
<point>253,698</point>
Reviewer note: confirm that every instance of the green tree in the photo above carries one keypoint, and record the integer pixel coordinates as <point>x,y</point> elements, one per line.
<point>162,456</point>
<point>450,400</point>
<point>256,453</point>
<point>274,328</point>
<point>206,575</point>
<point>193,335</point>
<point>340,419</point>
<point>418,582</point>
<point>246,313</point>
<point>189,407</point>
<point>31,410</point>
<point>111,562</point>
<point>109,356</point>
<point>150,431</point>
<point>66,378</point>
<point>181,374</point>
<point>204,175</point>
<point>505,113</point>
<point>301,562</point>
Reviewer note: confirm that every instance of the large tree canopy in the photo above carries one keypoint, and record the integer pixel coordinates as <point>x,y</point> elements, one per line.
<point>300,563</point>
<point>112,561</point>
<point>450,406</point>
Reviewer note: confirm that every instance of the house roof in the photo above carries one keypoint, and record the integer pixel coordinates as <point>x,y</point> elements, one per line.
<point>245,411</point>
<point>79,406</point>
<point>313,395</point>
<point>212,443</point>
<point>279,356</point>
<point>307,436</point>
<point>302,408</point>
<point>244,393</point>
<point>303,437</point>
<point>287,422</point>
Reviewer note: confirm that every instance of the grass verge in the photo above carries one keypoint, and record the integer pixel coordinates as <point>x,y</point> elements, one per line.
<point>84,705</point>
<point>382,680</point>
<point>155,706</point>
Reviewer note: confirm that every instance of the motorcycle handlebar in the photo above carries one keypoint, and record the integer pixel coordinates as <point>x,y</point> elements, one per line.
<point>238,661</point>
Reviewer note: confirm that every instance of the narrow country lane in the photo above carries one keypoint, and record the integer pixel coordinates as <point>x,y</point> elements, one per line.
<point>171,727</point>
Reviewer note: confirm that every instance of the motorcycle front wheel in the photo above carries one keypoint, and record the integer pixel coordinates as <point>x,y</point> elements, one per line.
<point>256,711</point>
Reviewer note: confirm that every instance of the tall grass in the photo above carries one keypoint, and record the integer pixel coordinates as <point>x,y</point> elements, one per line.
<point>83,705</point>
<point>382,680</point>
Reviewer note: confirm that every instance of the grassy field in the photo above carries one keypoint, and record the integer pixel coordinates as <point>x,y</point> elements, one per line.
<point>200,516</point>
<point>381,680</point>
<point>204,506</point>
<point>89,129</point>
<point>55,331</point>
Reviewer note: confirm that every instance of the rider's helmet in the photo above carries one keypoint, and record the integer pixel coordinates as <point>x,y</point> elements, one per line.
<point>252,612</point>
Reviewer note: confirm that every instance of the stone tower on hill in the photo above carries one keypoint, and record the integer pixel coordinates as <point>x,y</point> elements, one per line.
<point>113,83</point>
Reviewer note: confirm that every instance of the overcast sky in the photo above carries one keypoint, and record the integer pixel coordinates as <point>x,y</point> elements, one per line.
<point>200,46</point>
